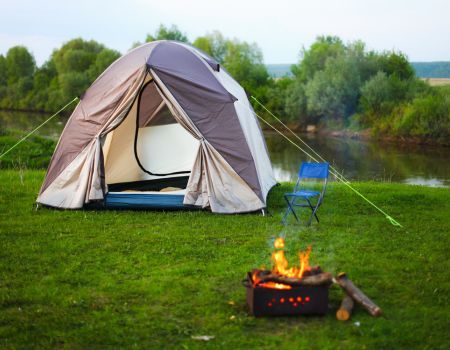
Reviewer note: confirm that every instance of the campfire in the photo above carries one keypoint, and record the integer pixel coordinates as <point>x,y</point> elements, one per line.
<point>284,290</point>
<point>299,290</point>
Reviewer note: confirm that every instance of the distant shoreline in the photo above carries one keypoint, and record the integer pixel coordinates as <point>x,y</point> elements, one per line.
<point>366,135</point>
<point>437,81</point>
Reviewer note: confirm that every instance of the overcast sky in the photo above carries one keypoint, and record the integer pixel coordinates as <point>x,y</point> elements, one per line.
<point>421,29</point>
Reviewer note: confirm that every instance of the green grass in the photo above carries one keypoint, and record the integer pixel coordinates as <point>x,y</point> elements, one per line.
<point>122,279</point>
<point>35,153</point>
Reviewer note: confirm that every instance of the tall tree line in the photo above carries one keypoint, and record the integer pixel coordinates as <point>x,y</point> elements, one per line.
<point>335,84</point>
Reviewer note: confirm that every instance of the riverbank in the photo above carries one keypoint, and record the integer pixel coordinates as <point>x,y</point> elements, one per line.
<point>102,279</point>
<point>34,153</point>
<point>364,135</point>
<point>368,134</point>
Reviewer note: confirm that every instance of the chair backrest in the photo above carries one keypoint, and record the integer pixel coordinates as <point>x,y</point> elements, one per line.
<point>313,170</point>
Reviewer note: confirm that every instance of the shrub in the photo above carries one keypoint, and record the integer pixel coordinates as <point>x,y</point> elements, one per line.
<point>427,116</point>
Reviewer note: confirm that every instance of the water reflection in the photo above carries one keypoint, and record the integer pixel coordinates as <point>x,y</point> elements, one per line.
<point>357,160</point>
<point>426,182</point>
<point>363,160</point>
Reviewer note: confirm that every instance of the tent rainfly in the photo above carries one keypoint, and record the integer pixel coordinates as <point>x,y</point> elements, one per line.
<point>163,127</point>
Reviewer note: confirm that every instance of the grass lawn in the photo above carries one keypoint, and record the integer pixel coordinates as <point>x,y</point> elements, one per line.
<point>122,279</point>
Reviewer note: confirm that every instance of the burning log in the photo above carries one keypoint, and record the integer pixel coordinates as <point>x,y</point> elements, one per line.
<point>322,278</point>
<point>313,270</point>
<point>345,310</point>
<point>357,295</point>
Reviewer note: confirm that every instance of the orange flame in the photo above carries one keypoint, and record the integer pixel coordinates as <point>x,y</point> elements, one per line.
<point>304,260</point>
<point>281,265</point>
<point>279,243</point>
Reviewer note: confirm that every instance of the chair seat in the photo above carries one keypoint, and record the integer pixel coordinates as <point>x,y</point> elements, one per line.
<point>303,193</point>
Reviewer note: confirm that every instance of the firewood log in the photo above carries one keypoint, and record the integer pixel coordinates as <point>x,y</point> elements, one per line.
<point>313,270</point>
<point>260,273</point>
<point>357,295</point>
<point>345,310</point>
<point>315,280</point>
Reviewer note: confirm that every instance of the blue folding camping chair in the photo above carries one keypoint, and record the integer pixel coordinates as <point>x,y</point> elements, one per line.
<point>305,198</point>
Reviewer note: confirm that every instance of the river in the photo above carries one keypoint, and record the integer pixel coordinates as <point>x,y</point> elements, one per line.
<point>357,160</point>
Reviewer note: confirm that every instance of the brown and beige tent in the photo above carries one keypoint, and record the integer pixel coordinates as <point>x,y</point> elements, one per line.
<point>163,127</point>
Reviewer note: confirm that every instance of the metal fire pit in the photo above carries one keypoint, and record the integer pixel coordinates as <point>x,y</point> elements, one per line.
<point>299,300</point>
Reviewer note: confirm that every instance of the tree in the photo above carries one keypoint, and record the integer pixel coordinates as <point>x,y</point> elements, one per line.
<point>275,95</point>
<point>3,78</point>
<point>393,63</point>
<point>330,77</point>
<point>165,33</point>
<point>16,72</point>
<point>314,59</point>
<point>295,103</point>
<point>375,94</point>
<point>3,72</point>
<point>244,61</point>
<point>102,61</point>
<point>213,44</point>
<point>382,93</point>
<point>78,63</point>
<point>20,64</point>
<point>45,89</point>
<point>333,92</point>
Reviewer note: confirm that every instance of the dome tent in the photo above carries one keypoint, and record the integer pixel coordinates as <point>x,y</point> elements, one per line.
<point>163,115</point>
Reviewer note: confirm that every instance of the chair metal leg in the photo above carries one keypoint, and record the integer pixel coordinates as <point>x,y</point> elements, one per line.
<point>289,208</point>
<point>286,213</point>
<point>313,211</point>
<point>317,208</point>
<point>313,214</point>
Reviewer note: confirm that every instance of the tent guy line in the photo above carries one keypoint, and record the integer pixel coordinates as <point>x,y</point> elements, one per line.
<point>338,175</point>
<point>333,171</point>
<point>38,127</point>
